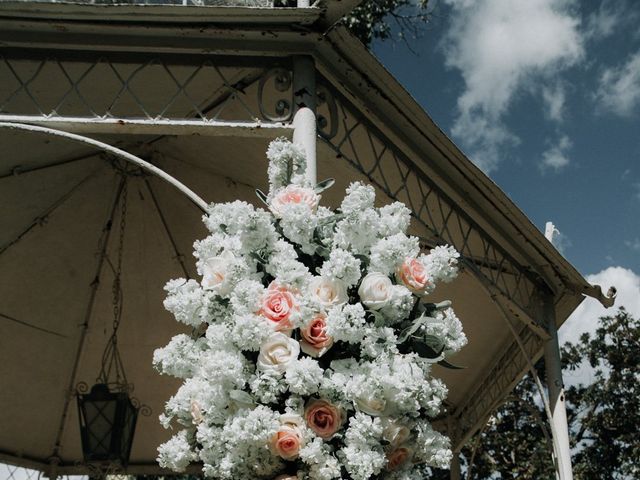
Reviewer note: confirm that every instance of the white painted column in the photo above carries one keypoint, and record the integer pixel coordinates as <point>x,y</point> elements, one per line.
<point>555,386</point>
<point>304,108</point>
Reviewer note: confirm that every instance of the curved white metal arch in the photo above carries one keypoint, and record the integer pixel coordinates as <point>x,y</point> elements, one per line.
<point>199,202</point>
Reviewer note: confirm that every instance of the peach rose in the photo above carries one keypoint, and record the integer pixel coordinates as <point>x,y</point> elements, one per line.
<point>288,440</point>
<point>294,195</point>
<point>398,457</point>
<point>323,418</point>
<point>315,341</point>
<point>413,275</point>
<point>286,477</point>
<point>278,303</point>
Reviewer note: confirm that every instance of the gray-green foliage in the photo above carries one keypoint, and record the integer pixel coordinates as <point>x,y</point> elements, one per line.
<point>603,414</point>
<point>379,19</point>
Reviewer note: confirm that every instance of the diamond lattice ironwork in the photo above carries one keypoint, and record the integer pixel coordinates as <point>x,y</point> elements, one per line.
<point>105,86</point>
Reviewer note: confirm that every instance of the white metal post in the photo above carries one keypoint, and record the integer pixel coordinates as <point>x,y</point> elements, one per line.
<point>304,116</point>
<point>555,385</point>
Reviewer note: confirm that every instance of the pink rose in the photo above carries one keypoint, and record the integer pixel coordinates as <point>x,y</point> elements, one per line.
<point>288,440</point>
<point>315,341</point>
<point>278,304</point>
<point>323,418</point>
<point>286,477</point>
<point>398,457</point>
<point>413,275</point>
<point>293,195</point>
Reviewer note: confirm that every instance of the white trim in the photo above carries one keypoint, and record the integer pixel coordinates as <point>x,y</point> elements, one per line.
<point>209,128</point>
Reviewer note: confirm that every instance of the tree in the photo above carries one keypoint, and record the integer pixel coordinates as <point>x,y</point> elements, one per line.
<point>603,415</point>
<point>377,18</point>
<point>380,18</point>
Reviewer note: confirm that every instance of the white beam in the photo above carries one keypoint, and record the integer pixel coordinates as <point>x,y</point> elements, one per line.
<point>136,126</point>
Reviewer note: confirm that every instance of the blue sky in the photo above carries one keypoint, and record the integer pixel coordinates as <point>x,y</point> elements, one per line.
<point>544,95</point>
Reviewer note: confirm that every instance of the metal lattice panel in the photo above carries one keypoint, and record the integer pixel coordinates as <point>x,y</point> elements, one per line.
<point>107,86</point>
<point>357,141</point>
<point>499,381</point>
<point>11,472</point>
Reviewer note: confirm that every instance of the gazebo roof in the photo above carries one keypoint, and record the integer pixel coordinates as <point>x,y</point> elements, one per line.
<point>160,66</point>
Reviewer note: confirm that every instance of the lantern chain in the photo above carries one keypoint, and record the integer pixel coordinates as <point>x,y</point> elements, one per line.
<point>112,365</point>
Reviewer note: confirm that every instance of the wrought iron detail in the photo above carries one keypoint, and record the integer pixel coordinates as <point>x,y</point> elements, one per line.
<point>326,112</point>
<point>498,382</point>
<point>139,86</point>
<point>276,87</point>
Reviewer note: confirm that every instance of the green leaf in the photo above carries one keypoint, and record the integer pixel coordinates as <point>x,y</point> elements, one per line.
<point>411,329</point>
<point>241,397</point>
<point>424,350</point>
<point>450,365</point>
<point>435,307</point>
<point>434,342</point>
<point>330,219</point>
<point>324,184</point>
<point>289,170</point>
<point>261,195</point>
<point>323,251</point>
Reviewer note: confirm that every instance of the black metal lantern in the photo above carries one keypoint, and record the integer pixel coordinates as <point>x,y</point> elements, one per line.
<point>108,413</point>
<point>107,424</point>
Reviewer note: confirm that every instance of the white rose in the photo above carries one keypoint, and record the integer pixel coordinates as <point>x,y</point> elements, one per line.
<point>328,292</point>
<point>371,405</point>
<point>375,290</point>
<point>277,353</point>
<point>215,271</point>
<point>395,433</point>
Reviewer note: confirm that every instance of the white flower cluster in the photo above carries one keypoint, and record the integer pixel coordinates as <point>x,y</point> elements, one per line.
<point>312,341</point>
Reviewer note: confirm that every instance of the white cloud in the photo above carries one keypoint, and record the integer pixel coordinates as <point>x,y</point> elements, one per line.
<point>585,318</point>
<point>554,99</point>
<point>603,22</point>
<point>619,87</point>
<point>633,244</point>
<point>501,48</point>
<point>556,157</point>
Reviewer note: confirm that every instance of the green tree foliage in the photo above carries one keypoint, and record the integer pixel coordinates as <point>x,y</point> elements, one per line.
<point>604,415</point>
<point>379,19</point>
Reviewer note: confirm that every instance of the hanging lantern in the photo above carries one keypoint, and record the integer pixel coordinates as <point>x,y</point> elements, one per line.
<point>107,424</point>
<point>107,413</point>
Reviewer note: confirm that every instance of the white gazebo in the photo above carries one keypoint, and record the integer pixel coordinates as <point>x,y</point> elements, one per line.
<point>198,92</point>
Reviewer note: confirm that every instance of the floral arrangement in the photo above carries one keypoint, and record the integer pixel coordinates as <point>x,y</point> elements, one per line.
<point>313,340</point>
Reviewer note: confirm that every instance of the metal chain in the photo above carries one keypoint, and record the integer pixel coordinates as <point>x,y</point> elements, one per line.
<point>111,361</point>
<point>117,287</point>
